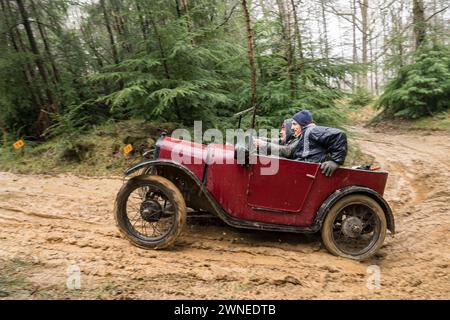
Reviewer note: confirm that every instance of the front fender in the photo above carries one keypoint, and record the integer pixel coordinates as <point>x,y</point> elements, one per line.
<point>337,195</point>
<point>150,163</point>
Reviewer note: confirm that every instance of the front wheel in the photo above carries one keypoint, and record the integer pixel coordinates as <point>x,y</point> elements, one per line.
<point>150,211</point>
<point>355,227</point>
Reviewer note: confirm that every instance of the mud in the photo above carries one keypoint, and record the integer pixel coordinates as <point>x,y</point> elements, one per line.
<point>54,228</point>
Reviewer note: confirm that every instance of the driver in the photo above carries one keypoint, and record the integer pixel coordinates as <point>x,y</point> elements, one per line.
<point>289,139</point>
<point>287,135</point>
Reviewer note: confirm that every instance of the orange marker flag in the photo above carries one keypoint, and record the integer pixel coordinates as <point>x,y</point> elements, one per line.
<point>18,144</point>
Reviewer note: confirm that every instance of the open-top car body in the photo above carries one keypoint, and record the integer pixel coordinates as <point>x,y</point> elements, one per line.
<point>347,208</point>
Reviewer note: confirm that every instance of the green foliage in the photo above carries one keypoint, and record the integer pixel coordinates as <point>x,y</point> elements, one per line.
<point>77,119</point>
<point>188,83</point>
<point>360,98</point>
<point>16,108</point>
<point>314,92</point>
<point>422,88</point>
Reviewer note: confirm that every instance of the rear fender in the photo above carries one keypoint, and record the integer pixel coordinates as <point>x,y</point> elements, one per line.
<point>339,194</point>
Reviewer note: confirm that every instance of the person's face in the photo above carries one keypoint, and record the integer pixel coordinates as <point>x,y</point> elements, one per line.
<point>296,128</point>
<point>283,133</point>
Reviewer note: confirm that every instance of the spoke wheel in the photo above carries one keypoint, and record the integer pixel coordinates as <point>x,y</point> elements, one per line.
<point>355,227</point>
<point>150,211</point>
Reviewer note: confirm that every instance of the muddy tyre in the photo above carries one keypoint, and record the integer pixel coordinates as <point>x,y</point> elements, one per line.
<point>355,227</point>
<point>150,211</point>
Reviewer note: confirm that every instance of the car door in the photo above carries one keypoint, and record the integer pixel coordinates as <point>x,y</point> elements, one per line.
<point>284,191</point>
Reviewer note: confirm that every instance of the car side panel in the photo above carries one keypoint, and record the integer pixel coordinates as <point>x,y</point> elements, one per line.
<point>284,188</point>
<point>230,185</point>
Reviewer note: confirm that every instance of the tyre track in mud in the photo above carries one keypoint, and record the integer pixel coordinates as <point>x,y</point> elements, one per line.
<point>54,222</point>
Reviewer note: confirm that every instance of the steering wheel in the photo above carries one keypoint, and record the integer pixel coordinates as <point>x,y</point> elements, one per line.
<point>242,151</point>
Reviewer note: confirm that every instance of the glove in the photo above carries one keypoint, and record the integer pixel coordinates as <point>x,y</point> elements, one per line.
<point>328,167</point>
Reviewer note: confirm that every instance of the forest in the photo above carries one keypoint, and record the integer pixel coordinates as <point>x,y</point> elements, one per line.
<point>67,66</point>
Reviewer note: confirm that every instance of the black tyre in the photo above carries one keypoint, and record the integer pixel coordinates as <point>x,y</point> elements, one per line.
<point>355,227</point>
<point>150,211</point>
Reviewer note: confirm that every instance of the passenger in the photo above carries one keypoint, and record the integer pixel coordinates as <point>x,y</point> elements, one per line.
<point>324,145</point>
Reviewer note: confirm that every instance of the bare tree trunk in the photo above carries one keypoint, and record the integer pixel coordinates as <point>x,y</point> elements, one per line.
<point>372,63</point>
<point>289,50</point>
<point>161,48</point>
<point>298,34</point>
<point>325,31</point>
<point>397,47</point>
<point>177,6</point>
<point>38,59</point>
<point>251,59</point>
<point>121,26</point>
<point>364,5</point>
<point>419,23</point>
<point>27,69</point>
<point>144,26</point>
<point>320,33</point>
<point>377,84</point>
<point>355,50</point>
<point>311,45</point>
<point>30,69</point>
<point>183,10</point>
<point>112,41</point>
<point>48,51</point>
<point>385,45</point>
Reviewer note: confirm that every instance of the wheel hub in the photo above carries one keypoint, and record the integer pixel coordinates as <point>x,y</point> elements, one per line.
<point>352,227</point>
<point>151,210</point>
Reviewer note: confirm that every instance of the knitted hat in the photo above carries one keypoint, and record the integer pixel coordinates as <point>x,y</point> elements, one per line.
<point>303,117</point>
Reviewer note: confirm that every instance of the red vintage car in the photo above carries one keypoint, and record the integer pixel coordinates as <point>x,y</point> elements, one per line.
<point>347,208</point>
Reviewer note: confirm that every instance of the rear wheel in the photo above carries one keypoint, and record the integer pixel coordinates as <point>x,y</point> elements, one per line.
<point>150,211</point>
<point>355,227</point>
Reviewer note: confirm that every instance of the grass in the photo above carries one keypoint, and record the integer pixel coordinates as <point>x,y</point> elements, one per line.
<point>11,278</point>
<point>440,121</point>
<point>95,153</point>
<point>16,282</point>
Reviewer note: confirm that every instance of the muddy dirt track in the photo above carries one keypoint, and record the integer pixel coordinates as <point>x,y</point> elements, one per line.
<point>54,227</point>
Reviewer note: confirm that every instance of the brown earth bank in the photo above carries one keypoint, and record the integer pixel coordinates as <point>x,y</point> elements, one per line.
<point>53,228</point>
